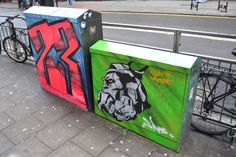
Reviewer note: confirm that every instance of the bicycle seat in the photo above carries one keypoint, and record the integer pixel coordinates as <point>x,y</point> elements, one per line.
<point>234,52</point>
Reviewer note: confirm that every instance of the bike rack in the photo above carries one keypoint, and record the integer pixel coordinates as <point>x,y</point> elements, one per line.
<point>194,4</point>
<point>223,5</point>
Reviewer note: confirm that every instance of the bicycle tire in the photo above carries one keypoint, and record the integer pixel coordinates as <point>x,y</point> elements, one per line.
<point>203,121</point>
<point>15,49</point>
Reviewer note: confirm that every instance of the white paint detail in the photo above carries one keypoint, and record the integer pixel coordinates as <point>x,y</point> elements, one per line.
<point>149,123</point>
<point>25,129</point>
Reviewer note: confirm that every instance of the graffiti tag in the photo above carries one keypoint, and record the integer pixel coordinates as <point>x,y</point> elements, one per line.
<point>55,44</point>
<point>161,77</point>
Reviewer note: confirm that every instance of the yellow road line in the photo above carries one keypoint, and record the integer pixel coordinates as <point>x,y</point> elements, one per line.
<point>170,14</point>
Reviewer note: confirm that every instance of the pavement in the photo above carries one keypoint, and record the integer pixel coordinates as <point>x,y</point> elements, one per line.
<point>148,6</point>
<point>35,123</point>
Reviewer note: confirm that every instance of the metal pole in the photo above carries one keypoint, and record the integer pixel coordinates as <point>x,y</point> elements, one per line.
<point>176,42</point>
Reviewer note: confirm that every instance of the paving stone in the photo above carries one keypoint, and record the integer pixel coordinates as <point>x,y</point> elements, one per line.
<point>69,150</point>
<point>80,119</point>
<point>5,143</point>
<point>5,121</point>
<point>131,147</point>
<point>142,140</point>
<point>5,104</point>
<point>28,87</point>
<point>44,98</point>
<point>57,133</point>
<point>156,148</point>
<point>51,113</point>
<point>95,139</point>
<point>67,104</point>
<point>219,146</point>
<point>22,129</point>
<point>159,150</point>
<point>195,144</point>
<point>115,127</point>
<point>32,147</point>
<point>28,95</point>
<point>11,93</point>
<point>13,77</point>
<point>32,93</point>
<point>22,110</point>
<point>5,82</point>
<point>167,153</point>
<point>112,152</point>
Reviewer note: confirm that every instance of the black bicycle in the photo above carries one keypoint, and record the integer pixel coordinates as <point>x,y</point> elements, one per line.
<point>214,110</point>
<point>13,45</point>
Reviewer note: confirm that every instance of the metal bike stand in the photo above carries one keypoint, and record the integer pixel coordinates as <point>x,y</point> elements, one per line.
<point>223,5</point>
<point>194,4</point>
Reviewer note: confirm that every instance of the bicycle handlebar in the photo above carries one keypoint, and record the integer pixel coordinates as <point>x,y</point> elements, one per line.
<point>12,17</point>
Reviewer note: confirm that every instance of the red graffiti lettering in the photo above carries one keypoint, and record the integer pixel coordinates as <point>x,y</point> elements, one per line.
<point>55,44</point>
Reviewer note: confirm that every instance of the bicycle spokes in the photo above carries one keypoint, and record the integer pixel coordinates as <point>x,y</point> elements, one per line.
<point>15,49</point>
<point>214,114</point>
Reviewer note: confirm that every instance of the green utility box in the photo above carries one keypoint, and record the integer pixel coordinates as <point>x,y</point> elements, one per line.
<point>148,91</point>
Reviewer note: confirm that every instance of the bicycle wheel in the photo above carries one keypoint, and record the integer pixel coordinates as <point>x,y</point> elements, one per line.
<point>15,49</point>
<point>209,118</point>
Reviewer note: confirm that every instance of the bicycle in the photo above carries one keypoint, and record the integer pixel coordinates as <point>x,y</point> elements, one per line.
<point>13,47</point>
<point>214,110</point>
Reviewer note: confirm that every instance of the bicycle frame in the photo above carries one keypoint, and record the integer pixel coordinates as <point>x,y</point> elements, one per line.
<point>219,97</point>
<point>209,106</point>
<point>12,29</point>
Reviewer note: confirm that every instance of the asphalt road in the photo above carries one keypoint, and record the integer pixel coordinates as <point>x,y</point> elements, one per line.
<point>218,47</point>
<point>201,23</point>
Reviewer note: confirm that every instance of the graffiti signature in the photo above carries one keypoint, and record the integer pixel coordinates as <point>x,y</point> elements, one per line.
<point>161,77</point>
<point>151,125</point>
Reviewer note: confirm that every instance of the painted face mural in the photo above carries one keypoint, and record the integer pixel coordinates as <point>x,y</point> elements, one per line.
<point>123,95</point>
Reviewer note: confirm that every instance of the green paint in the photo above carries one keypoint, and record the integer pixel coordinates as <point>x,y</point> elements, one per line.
<point>168,80</point>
